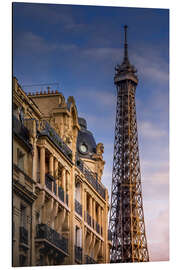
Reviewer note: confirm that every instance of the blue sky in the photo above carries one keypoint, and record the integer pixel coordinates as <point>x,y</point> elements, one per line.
<point>78,47</point>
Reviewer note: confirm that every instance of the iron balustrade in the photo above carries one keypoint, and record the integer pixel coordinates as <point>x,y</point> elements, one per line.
<point>46,130</point>
<point>61,194</point>
<point>89,260</point>
<point>48,181</point>
<point>55,188</point>
<point>91,178</point>
<point>98,230</point>
<point>92,223</point>
<point>43,231</point>
<point>88,218</point>
<point>78,253</point>
<point>78,207</point>
<point>23,235</point>
<point>21,132</point>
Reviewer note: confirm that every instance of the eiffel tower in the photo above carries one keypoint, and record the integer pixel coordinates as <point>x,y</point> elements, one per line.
<point>126,222</point>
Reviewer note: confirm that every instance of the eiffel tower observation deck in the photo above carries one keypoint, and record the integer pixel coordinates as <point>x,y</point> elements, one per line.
<point>126,222</point>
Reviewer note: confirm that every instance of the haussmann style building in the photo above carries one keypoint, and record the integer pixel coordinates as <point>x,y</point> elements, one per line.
<point>60,206</point>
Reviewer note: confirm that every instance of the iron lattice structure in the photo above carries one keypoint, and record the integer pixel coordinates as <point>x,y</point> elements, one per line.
<point>126,214</point>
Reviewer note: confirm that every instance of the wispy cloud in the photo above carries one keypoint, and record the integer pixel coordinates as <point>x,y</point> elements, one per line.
<point>159,237</point>
<point>149,130</point>
<point>101,98</point>
<point>48,14</point>
<point>32,43</point>
<point>151,65</point>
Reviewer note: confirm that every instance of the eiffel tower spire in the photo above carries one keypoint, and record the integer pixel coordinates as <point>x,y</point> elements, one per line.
<point>125,45</point>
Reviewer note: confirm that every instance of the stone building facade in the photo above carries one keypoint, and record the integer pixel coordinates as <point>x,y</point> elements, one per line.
<point>60,206</point>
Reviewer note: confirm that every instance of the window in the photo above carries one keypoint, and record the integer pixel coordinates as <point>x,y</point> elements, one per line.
<point>78,191</point>
<point>22,260</point>
<point>38,221</point>
<point>77,236</point>
<point>23,216</point>
<point>20,159</point>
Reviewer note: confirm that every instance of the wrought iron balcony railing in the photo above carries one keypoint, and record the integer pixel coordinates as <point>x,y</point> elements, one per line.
<point>88,218</point>
<point>61,194</point>
<point>98,228</point>
<point>78,208</point>
<point>89,260</point>
<point>49,181</point>
<point>55,188</point>
<point>47,233</point>
<point>91,178</point>
<point>46,130</point>
<point>92,223</point>
<point>78,253</point>
<point>21,132</point>
<point>23,235</point>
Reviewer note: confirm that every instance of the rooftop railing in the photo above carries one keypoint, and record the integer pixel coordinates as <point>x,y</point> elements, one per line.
<point>46,130</point>
<point>91,178</point>
<point>47,233</point>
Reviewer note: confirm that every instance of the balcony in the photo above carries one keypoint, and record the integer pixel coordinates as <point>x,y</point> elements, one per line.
<point>87,218</point>
<point>45,233</point>
<point>92,223</point>
<point>78,254</point>
<point>61,194</point>
<point>23,236</point>
<point>49,181</point>
<point>21,132</point>
<point>98,228</point>
<point>91,178</point>
<point>89,260</point>
<point>46,130</point>
<point>78,208</point>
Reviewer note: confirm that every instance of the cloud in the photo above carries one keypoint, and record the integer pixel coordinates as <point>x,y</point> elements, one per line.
<point>103,53</point>
<point>30,42</point>
<point>152,66</point>
<point>149,130</point>
<point>159,237</point>
<point>48,14</point>
<point>101,98</point>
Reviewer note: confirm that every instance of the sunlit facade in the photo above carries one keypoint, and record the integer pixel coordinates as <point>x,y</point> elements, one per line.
<point>60,206</point>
